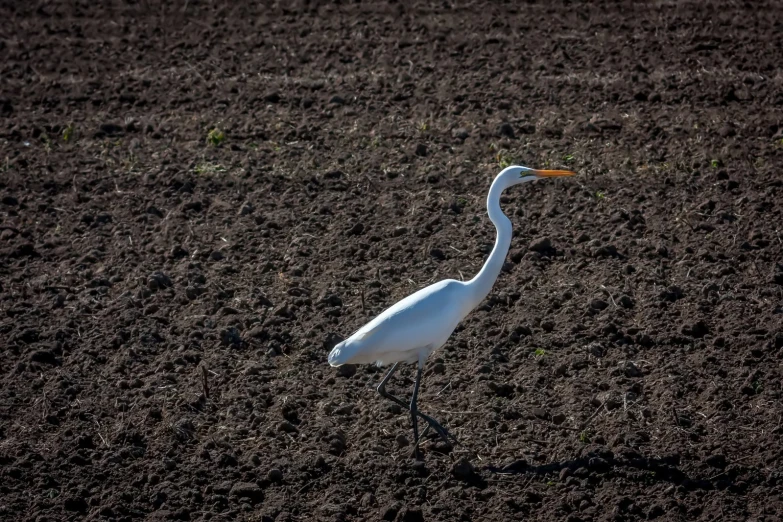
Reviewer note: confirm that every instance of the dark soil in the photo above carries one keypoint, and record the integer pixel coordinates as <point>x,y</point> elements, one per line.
<point>167,301</point>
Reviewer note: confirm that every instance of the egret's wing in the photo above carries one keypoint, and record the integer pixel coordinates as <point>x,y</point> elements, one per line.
<point>363,336</point>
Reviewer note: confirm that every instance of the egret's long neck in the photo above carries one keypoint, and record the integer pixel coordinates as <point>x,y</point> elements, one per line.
<point>482,283</point>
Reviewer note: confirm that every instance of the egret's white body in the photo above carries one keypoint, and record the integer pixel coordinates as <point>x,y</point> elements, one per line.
<point>411,329</point>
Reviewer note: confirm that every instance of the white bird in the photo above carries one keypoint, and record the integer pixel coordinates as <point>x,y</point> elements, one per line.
<point>410,330</point>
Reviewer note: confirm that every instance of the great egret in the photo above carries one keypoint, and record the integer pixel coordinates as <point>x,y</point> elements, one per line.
<point>410,330</point>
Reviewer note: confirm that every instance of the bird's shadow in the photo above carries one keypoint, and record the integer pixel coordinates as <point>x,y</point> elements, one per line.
<point>634,466</point>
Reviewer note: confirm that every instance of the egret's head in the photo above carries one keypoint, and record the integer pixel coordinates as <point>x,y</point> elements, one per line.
<point>517,174</point>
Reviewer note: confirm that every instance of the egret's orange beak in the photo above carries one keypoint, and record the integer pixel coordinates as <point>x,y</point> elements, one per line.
<point>552,173</point>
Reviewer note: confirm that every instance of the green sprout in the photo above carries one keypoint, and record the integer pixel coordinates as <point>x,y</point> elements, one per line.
<point>503,160</point>
<point>540,352</point>
<point>568,158</point>
<point>600,194</point>
<point>584,437</point>
<point>216,137</point>
<point>423,127</point>
<point>47,143</point>
<point>68,132</point>
<point>209,169</point>
<point>715,163</point>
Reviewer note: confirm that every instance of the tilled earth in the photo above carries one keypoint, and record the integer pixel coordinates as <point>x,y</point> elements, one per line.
<point>169,293</point>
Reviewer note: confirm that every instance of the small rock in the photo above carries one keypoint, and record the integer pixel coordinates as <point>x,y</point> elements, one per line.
<point>421,149</point>
<point>716,461</point>
<point>337,100</point>
<point>248,491</point>
<point>698,329</point>
<point>541,245</point>
<point>216,255</point>
<point>192,292</point>
<point>345,409</point>
<point>625,301</point>
<point>438,254</point>
<point>598,304</point>
<point>605,251</point>
<point>43,357</point>
<point>10,201</point>
<point>177,252</point>
<point>631,370</point>
<point>399,231</point>
<point>438,368</point>
<point>581,472</point>
<point>463,469</point>
<point>411,514</point>
<point>461,134</point>
<point>506,130</point>
<point>355,230</point>
<point>230,337</point>
<point>331,300</point>
<point>672,293</point>
<point>227,310</point>
<point>346,370</point>
<point>274,475</point>
<point>246,209</point>
<point>558,418</point>
<point>561,370</point>
<point>541,413</point>
<point>286,427</point>
<point>532,497</point>
<point>77,504</point>
<point>111,129</point>
<point>727,131</point>
<point>158,280</point>
<point>390,512</point>
<point>527,128</point>
<point>402,441</point>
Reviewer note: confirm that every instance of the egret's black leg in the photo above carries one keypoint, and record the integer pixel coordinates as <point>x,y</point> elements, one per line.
<point>440,430</point>
<point>414,411</point>
<point>382,385</point>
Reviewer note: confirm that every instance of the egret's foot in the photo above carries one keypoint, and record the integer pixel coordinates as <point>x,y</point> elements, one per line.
<point>431,423</point>
<point>440,430</point>
<point>416,454</point>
